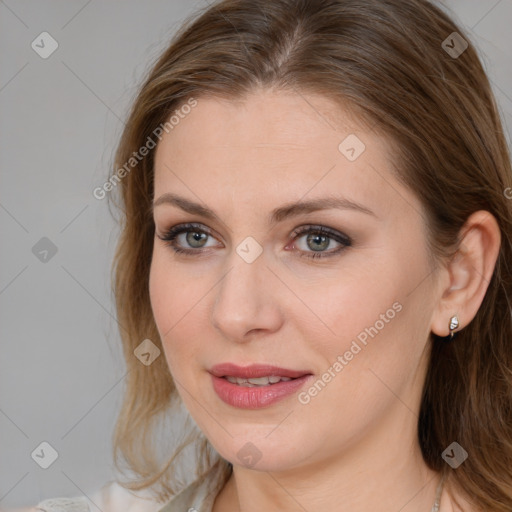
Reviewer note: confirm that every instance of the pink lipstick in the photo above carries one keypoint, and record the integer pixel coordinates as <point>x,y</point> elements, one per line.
<point>257,385</point>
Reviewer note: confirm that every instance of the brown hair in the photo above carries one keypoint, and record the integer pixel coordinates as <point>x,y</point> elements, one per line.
<point>385,59</point>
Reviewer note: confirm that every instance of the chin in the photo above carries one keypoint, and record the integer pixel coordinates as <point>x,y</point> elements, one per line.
<point>261,454</point>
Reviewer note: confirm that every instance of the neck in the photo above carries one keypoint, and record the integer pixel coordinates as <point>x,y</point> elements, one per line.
<point>380,472</point>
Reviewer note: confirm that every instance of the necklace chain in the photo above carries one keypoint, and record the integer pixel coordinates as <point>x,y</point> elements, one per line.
<point>439,490</point>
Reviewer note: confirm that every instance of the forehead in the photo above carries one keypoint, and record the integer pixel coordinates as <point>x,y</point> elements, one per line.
<point>279,146</point>
<point>265,118</point>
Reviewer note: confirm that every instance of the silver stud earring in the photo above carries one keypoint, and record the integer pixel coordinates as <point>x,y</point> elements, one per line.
<point>454,323</point>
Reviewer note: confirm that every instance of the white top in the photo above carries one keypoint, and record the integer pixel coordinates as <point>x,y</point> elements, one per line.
<point>199,496</point>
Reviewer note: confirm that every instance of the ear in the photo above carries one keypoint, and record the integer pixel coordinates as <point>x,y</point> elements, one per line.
<point>468,274</point>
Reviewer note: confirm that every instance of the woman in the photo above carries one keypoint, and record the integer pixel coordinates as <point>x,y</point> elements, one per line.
<point>316,235</point>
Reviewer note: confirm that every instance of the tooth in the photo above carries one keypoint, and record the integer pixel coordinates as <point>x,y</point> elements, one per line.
<point>260,381</point>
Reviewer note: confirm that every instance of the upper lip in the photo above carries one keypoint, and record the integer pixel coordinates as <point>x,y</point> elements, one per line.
<point>254,371</point>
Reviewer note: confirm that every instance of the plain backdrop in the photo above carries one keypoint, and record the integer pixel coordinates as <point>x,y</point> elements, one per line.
<point>61,370</point>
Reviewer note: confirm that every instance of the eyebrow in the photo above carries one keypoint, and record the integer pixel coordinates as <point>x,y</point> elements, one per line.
<point>278,215</point>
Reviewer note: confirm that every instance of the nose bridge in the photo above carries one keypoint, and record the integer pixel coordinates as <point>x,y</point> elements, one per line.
<point>244,300</point>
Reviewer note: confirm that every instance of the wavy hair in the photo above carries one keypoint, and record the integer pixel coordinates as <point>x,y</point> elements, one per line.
<point>386,60</point>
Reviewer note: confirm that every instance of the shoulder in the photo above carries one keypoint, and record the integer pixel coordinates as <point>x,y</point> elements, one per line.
<point>26,509</point>
<point>79,504</point>
<point>112,497</point>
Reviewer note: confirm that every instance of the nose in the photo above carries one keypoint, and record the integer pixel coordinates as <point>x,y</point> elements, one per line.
<point>247,301</point>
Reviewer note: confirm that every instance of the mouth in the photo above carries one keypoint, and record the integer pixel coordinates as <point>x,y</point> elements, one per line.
<point>254,373</point>
<point>255,386</point>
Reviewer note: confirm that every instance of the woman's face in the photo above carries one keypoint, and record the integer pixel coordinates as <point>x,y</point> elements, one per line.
<point>349,327</point>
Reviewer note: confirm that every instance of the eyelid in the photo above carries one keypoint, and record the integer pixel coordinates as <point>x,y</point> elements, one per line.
<point>184,227</point>
<point>313,228</point>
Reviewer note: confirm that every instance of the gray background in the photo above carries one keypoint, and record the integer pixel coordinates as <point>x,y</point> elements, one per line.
<point>61,370</point>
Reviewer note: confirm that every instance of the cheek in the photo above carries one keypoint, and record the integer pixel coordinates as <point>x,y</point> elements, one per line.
<point>348,304</point>
<point>171,300</point>
<point>375,348</point>
<point>371,319</point>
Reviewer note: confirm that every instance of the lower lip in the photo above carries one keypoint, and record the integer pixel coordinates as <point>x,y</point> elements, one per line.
<point>244,397</point>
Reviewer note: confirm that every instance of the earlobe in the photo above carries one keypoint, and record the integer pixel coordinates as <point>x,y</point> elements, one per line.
<point>470,272</point>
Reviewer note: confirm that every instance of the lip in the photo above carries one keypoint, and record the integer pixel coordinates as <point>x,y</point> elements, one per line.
<point>255,397</point>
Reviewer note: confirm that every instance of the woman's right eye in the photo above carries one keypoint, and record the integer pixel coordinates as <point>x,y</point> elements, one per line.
<point>191,235</point>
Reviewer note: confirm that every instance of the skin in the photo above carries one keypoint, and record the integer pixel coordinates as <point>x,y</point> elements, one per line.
<point>353,447</point>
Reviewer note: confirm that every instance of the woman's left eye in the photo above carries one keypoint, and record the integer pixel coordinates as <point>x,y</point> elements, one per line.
<point>319,238</point>
<point>316,239</point>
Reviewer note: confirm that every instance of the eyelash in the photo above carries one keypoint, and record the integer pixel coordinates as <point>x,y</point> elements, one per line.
<point>171,234</point>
